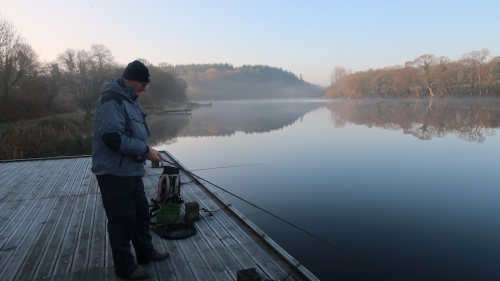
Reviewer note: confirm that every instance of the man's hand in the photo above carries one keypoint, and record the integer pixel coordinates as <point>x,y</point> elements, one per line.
<point>145,172</point>
<point>154,155</point>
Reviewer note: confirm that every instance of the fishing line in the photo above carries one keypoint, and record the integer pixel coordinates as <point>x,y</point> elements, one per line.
<point>228,166</point>
<point>291,224</point>
<point>213,168</point>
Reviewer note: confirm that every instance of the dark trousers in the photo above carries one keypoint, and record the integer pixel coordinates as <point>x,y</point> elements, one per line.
<point>127,210</point>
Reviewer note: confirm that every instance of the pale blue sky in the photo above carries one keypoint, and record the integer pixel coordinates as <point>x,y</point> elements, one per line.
<point>308,37</point>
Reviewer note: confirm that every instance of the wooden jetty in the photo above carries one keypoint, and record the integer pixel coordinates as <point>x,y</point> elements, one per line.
<point>53,227</point>
<point>184,110</point>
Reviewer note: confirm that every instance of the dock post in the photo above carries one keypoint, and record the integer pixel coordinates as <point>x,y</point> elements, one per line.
<point>192,211</point>
<point>249,274</point>
<point>155,164</point>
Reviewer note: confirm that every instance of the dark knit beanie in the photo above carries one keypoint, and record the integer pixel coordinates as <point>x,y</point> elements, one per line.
<point>136,71</point>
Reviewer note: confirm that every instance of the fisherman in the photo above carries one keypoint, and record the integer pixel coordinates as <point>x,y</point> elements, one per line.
<point>119,151</point>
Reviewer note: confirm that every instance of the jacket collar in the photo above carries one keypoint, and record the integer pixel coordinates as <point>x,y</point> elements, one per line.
<point>129,90</point>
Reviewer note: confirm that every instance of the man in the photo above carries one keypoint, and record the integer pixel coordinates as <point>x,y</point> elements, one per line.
<point>119,151</point>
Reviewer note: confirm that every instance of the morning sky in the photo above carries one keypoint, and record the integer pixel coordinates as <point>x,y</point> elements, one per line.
<point>305,37</point>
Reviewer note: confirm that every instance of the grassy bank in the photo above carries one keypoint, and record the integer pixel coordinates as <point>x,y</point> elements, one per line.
<point>46,137</point>
<point>58,135</point>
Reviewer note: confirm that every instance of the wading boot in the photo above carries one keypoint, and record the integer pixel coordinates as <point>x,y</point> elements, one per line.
<point>157,257</point>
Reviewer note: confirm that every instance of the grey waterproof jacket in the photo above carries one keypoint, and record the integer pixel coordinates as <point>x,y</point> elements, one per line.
<point>120,132</point>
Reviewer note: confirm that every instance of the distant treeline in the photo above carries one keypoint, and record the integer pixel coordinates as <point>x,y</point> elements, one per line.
<point>473,74</point>
<point>226,82</point>
<point>30,88</point>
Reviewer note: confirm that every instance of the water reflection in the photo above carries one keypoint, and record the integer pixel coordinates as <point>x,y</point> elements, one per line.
<point>226,118</point>
<point>470,119</point>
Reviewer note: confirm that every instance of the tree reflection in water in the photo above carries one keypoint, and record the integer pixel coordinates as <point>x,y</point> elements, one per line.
<point>470,119</point>
<point>227,118</point>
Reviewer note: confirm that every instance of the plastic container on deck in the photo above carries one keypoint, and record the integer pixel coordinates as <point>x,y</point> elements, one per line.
<point>168,213</point>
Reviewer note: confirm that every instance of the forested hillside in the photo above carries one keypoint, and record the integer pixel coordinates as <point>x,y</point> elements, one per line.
<point>226,82</point>
<point>473,74</point>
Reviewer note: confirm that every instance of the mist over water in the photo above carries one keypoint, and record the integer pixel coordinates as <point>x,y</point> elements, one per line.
<point>409,186</point>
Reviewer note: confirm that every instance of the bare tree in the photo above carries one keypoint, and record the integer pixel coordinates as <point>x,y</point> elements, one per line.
<point>492,68</point>
<point>67,60</point>
<point>53,82</point>
<point>337,73</point>
<point>482,57</point>
<point>441,71</point>
<point>7,36</point>
<point>101,55</point>
<point>469,69</point>
<point>84,72</point>
<point>425,62</point>
<point>17,59</point>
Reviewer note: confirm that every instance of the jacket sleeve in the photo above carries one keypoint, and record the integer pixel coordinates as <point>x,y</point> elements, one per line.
<point>112,124</point>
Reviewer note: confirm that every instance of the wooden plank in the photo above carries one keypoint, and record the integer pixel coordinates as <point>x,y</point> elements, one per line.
<point>66,252</point>
<point>30,265</point>
<point>31,186</point>
<point>194,260</point>
<point>83,173</point>
<point>57,191</point>
<point>23,239</point>
<point>87,178</point>
<point>49,258</point>
<point>82,254</point>
<point>12,169</point>
<point>213,242</point>
<point>97,256</point>
<point>47,262</point>
<point>17,211</point>
<point>31,262</point>
<point>20,212</point>
<point>232,251</point>
<point>73,179</point>
<point>8,233</point>
<point>180,265</point>
<point>49,182</point>
<point>94,188</point>
<point>258,254</point>
<point>70,242</point>
<point>22,178</point>
<point>8,169</point>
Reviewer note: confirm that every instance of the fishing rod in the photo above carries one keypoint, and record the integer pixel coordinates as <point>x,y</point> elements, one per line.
<point>283,220</point>
<point>229,167</point>
<point>214,168</point>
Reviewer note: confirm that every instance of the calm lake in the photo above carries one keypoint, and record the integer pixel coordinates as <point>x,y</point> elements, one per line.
<point>411,187</point>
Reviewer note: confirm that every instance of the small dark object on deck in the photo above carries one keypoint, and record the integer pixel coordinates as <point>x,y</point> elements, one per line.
<point>249,274</point>
<point>175,231</point>
<point>192,211</point>
<point>155,164</point>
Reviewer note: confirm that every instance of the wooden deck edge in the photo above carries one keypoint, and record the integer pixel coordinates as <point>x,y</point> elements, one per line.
<point>47,158</point>
<point>304,271</point>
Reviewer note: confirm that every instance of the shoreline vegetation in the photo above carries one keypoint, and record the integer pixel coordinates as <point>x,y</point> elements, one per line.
<point>474,74</point>
<point>59,135</point>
